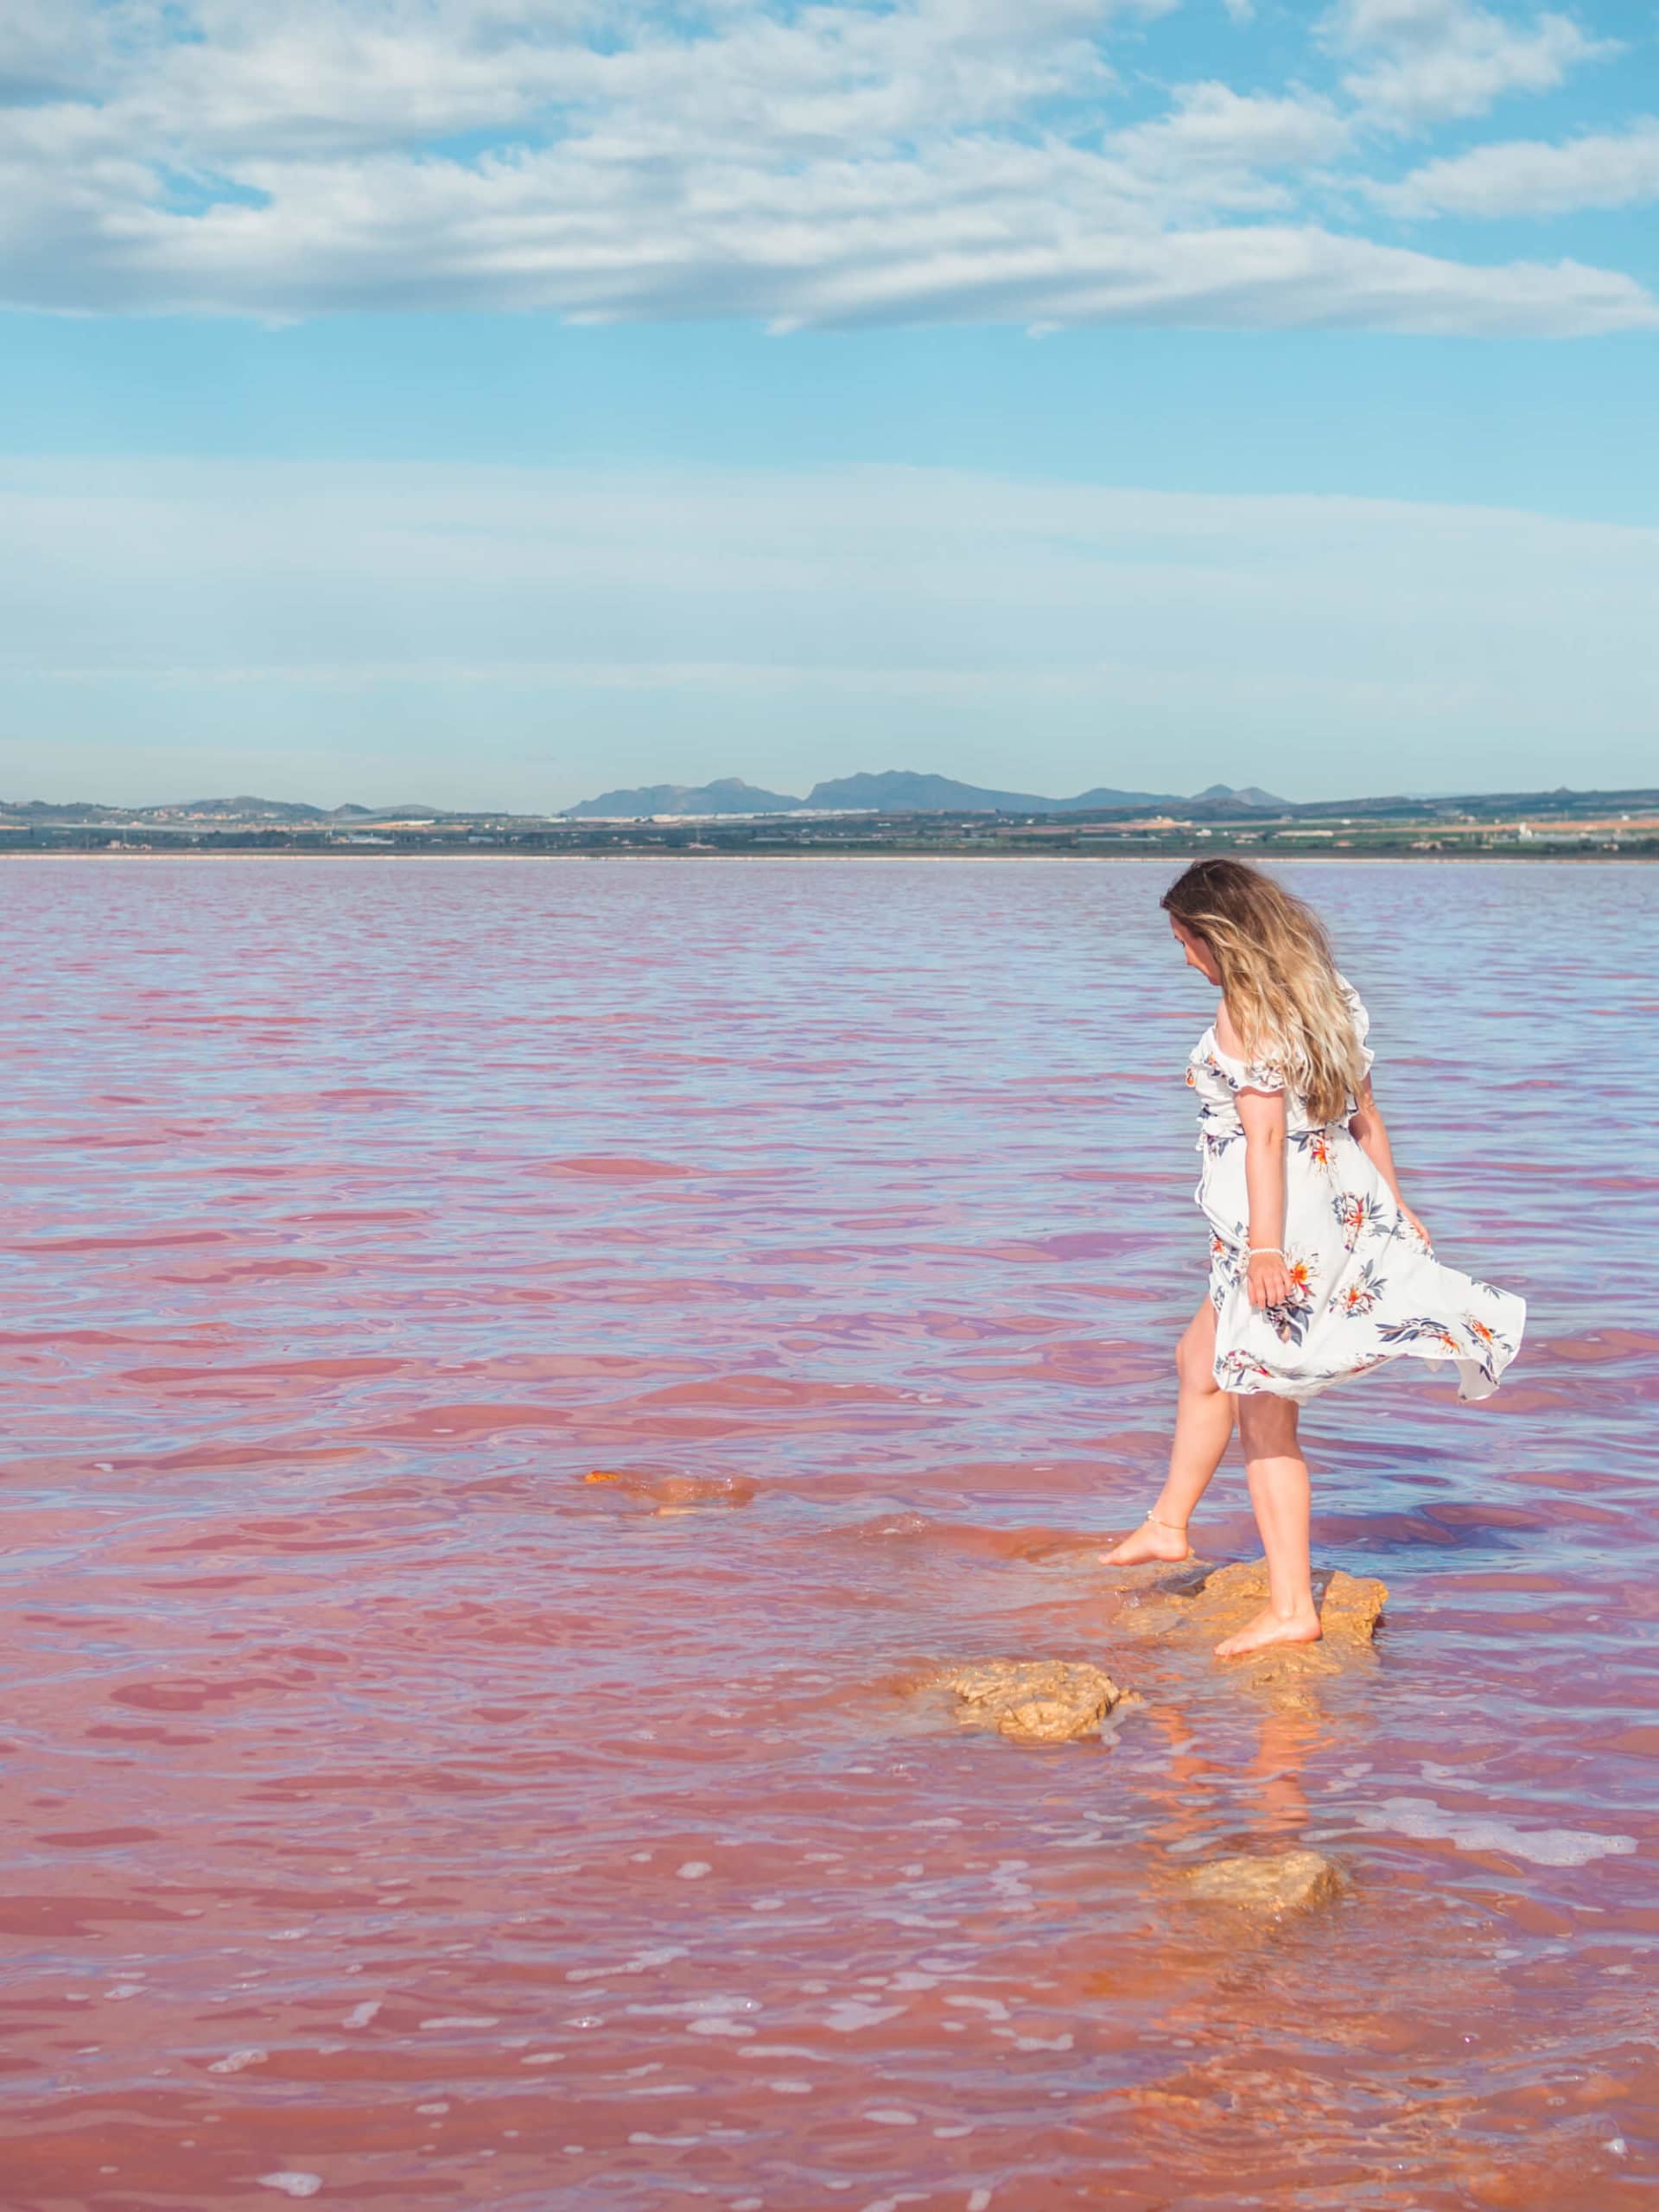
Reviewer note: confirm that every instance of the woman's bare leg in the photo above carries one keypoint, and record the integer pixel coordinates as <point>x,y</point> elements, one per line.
<point>1278,1492</point>
<point>1203,1421</point>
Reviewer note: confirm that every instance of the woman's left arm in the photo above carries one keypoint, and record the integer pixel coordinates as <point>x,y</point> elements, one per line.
<point>1262,1114</point>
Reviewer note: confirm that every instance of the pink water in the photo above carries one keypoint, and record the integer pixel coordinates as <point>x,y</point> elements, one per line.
<point>396,1817</point>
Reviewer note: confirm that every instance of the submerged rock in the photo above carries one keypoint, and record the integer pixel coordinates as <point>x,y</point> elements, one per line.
<point>670,1494</point>
<point>1034,1700</point>
<point>1287,1882</point>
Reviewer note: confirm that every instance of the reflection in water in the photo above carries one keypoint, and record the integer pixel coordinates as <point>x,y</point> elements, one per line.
<point>517,1370</point>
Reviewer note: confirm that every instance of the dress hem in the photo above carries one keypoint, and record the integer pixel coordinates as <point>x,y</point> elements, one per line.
<point>1473,1382</point>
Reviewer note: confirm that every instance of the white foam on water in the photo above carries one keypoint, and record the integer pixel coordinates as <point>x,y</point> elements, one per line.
<point>993,2007</point>
<point>847,2016</point>
<point>234,2061</point>
<point>641,1962</point>
<point>291,2184</point>
<point>1426,1822</point>
<point>360,2015</point>
<point>695,2008</point>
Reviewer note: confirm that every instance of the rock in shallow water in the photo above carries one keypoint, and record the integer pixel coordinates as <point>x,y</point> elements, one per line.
<point>1203,1607</point>
<point>1348,1605</point>
<point>1285,1883</point>
<point>1034,1700</point>
<point>670,1494</point>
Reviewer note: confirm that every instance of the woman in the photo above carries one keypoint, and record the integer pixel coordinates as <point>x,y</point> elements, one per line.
<point>1318,1268</point>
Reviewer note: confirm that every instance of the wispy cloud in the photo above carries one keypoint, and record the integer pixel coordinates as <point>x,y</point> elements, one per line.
<point>1607,169</point>
<point>833,163</point>
<point>710,622</point>
<point>1421,61</point>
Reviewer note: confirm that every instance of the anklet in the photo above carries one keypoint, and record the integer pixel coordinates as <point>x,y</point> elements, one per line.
<point>1175,1528</point>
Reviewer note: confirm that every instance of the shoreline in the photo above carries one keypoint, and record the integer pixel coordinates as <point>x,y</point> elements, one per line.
<point>1174,853</point>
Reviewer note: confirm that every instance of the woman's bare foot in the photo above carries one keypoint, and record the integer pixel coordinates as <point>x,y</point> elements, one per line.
<point>1152,1540</point>
<point>1268,1627</point>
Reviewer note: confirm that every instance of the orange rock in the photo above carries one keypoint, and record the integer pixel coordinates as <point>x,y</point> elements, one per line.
<point>1286,1882</point>
<point>1034,1700</point>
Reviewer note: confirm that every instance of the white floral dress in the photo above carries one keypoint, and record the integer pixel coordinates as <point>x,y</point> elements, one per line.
<point>1366,1286</point>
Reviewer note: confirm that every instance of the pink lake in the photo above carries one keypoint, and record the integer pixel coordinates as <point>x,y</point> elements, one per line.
<point>396,1817</point>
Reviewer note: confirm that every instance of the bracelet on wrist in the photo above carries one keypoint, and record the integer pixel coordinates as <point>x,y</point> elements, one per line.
<point>1265,1252</point>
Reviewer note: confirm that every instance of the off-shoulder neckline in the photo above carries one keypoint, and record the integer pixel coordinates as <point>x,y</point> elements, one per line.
<point>1217,1051</point>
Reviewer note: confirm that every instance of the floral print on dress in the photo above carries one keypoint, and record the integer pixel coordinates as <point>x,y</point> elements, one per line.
<point>1291,1317</point>
<point>1315,1147</point>
<point>1356,1211</point>
<point>1366,1285</point>
<point>1361,1294</point>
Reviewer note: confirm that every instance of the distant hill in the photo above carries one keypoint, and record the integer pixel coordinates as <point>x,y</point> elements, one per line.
<point>245,808</point>
<point>1244,795</point>
<point>894,791</point>
<point>412,810</point>
<point>726,795</point>
<point>1104,796</point>
<point>902,791</point>
<point>248,809</point>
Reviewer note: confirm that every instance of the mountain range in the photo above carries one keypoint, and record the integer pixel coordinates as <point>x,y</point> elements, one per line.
<point>894,791</point>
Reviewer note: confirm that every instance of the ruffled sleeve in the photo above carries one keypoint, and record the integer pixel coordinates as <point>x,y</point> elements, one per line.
<point>1245,1075</point>
<point>1258,1075</point>
<point>1362,1024</point>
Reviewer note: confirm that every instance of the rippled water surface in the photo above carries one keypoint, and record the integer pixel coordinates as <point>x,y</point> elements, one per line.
<point>518,1373</point>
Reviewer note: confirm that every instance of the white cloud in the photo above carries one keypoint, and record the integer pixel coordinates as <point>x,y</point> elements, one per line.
<point>49,47</point>
<point>1609,169</point>
<point>1427,61</point>
<point>837,164</point>
<point>691,623</point>
<point>1218,148</point>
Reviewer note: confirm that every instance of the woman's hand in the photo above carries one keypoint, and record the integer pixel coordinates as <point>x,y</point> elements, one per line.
<point>1269,1279</point>
<point>1416,1225</point>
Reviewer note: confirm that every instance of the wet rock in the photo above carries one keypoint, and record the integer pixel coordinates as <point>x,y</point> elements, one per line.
<point>1204,1606</point>
<point>1348,1605</point>
<point>666,1495</point>
<point>1289,1881</point>
<point>1034,1700</point>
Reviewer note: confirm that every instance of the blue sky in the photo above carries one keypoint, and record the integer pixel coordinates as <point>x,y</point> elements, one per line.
<point>495,400</point>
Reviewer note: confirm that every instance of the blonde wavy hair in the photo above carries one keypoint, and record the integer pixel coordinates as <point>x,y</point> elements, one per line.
<point>1277,977</point>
